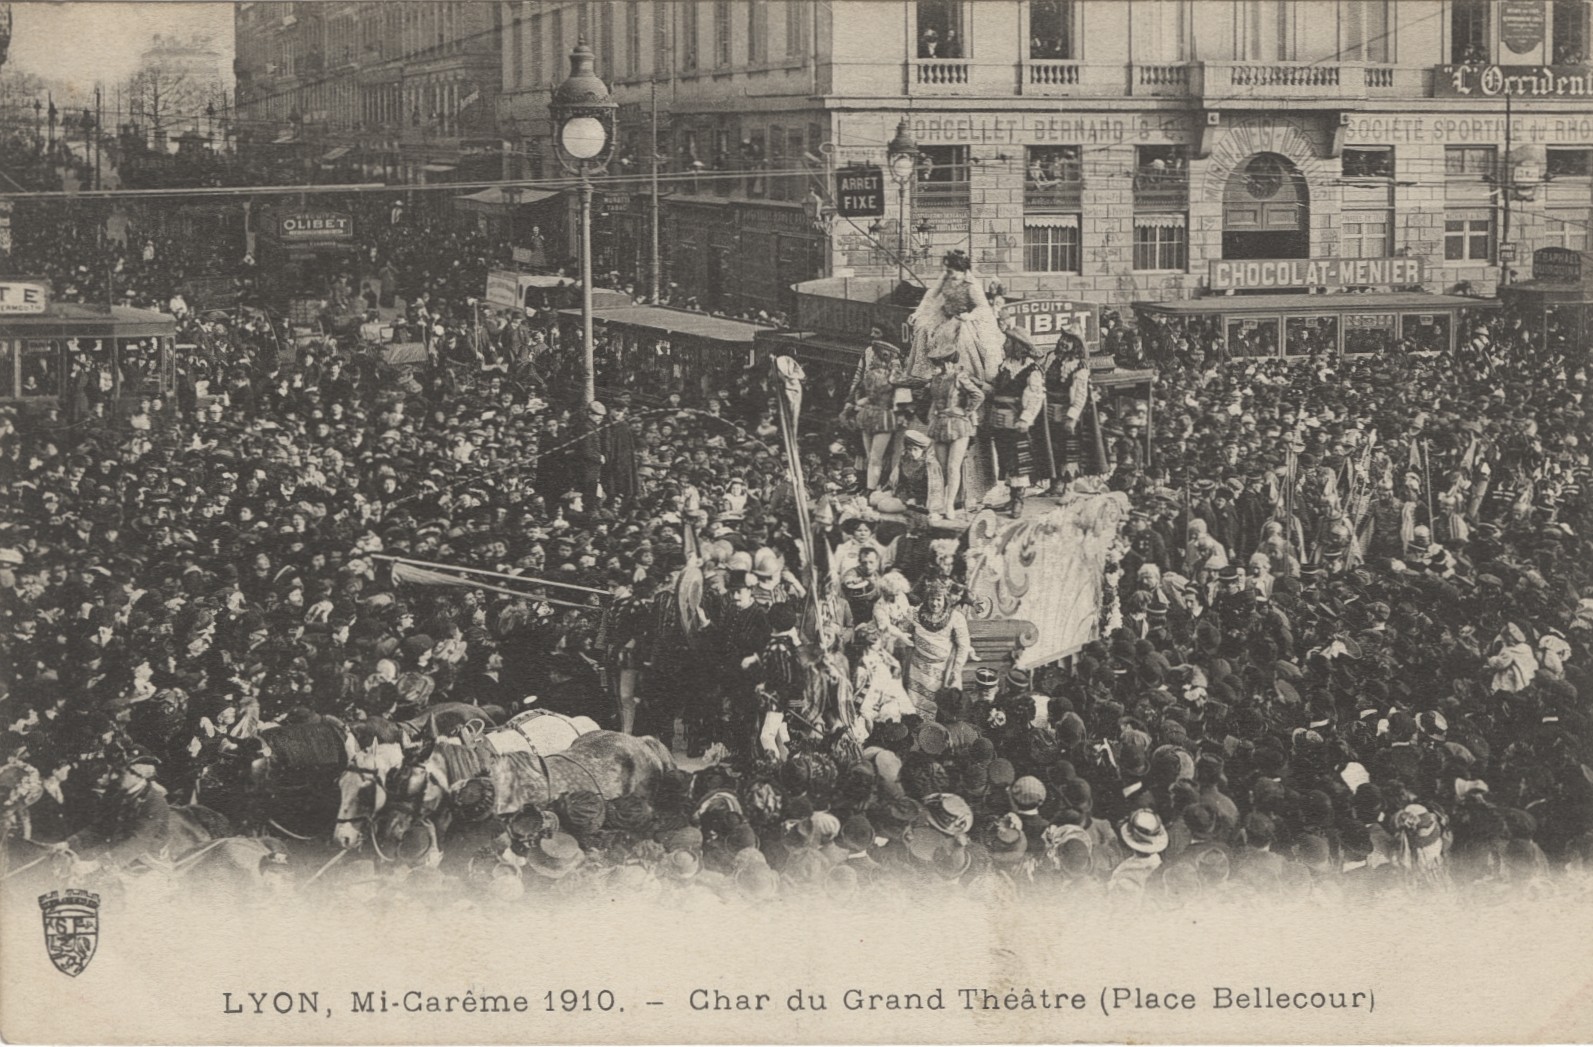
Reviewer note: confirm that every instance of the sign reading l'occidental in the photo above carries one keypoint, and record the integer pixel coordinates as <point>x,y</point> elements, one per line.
<point>1304,273</point>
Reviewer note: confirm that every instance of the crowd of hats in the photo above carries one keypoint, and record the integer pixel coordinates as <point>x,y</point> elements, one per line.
<point>1298,722</point>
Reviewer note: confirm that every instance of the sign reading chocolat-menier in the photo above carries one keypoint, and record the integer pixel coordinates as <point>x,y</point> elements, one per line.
<point>1303,273</point>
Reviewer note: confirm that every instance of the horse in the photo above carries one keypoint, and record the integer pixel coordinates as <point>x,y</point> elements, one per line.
<point>605,762</point>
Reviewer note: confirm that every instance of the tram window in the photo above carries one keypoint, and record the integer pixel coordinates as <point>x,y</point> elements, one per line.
<point>139,361</point>
<point>1312,335</point>
<point>1425,332</point>
<point>8,368</point>
<point>1252,337</point>
<point>1368,340</point>
<point>41,368</point>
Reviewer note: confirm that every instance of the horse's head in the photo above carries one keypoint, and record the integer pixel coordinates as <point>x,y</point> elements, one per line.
<point>362,787</point>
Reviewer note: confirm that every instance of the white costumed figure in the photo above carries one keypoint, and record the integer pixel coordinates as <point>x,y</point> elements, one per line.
<point>956,313</point>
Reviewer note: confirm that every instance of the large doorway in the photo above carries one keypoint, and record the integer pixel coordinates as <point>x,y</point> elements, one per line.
<point>1266,211</point>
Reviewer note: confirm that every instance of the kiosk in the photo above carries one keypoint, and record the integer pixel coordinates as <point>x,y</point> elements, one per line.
<point>1559,297</point>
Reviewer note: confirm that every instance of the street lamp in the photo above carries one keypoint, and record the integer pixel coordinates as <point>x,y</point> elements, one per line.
<point>902,154</point>
<point>583,138</point>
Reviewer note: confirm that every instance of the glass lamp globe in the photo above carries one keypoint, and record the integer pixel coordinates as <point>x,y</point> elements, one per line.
<point>902,165</point>
<point>583,137</point>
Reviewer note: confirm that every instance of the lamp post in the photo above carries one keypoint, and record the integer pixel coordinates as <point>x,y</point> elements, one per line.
<point>902,154</point>
<point>583,137</point>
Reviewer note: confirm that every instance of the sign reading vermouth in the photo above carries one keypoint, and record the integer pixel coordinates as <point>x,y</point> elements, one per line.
<point>23,297</point>
<point>1304,273</point>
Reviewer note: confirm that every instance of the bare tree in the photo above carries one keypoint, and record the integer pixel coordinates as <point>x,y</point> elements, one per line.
<point>160,98</point>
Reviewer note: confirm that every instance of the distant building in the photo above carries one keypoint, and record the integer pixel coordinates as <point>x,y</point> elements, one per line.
<point>1110,150</point>
<point>408,91</point>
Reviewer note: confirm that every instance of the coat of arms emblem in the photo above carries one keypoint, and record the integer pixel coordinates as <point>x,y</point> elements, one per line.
<point>71,928</point>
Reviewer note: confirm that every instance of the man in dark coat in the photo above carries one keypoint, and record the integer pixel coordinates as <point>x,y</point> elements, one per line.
<point>620,477</point>
<point>588,452</point>
<point>132,822</point>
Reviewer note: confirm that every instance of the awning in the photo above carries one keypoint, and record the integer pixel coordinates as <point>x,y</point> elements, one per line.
<point>284,138</point>
<point>1161,221</point>
<point>676,322</point>
<point>1051,221</point>
<point>335,154</point>
<point>439,168</point>
<point>494,198</point>
<point>1316,304</point>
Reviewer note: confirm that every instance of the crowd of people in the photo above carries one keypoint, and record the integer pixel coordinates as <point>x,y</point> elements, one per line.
<point>1344,650</point>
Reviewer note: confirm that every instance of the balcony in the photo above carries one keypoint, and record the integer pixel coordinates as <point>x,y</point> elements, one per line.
<point>1053,197</point>
<point>1051,76</point>
<point>941,196</point>
<point>1161,80</point>
<point>939,76</point>
<point>1237,82</point>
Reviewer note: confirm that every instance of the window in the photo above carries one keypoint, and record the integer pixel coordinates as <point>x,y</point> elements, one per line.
<point>940,28</point>
<point>1051,29</point>
<point>1365,234</point>
<point>752,161</point>
<point>1161,242</point>
<point>1159,31</point>
<point>633,37</point>
<point>604,17</point>
<point>1264,30</point>
<point>757,32</point>
<point>1053,178</point>
<point>1469,32</point>
<point>942,177</point>
<point>1051,244</point>
<point>556,45</point>
<point>1567,228</point>
<point>721,34</point>
<point>583,19</point>
<point>41,369</point>
<point>517,42</point>
<point>1368,31</point>
<point>1161,178</point>
<point>1469,161</point>
<point>796,22</point>
<point>1468,237</point>
<point>1570,32</point>
<point>688,36</point>
<point>779,183</point>
<point>1374,162</point>
<point>663,48</point>
<point>1569,163</point>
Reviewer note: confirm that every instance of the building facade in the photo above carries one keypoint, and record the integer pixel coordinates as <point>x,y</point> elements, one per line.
<point>1113,150</point>
<point>405,91</point>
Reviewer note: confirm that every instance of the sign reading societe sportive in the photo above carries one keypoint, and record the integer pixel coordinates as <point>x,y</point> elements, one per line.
<point>860,192</point>
<point>1303,273</point>
<point>315,225</point>
<point>1518,81</point>
<point>23,297</point>
<point>1044,319</point>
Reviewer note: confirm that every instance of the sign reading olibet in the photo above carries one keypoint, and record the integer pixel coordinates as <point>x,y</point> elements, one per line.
<point>1303,273</point>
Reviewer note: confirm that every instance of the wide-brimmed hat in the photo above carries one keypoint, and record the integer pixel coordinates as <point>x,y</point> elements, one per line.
<point>948,813</point>
<point>556,856</point>
<point>1144,832</point>
<point>1008,843</point>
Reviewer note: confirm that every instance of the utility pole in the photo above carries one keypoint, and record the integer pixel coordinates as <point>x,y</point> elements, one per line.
<point>99,131</point>
<point>1509,189</point>
<point>654,269</point>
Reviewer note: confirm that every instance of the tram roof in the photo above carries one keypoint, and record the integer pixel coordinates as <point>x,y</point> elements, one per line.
<point>1317,304</point>
<point>89,321</point>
